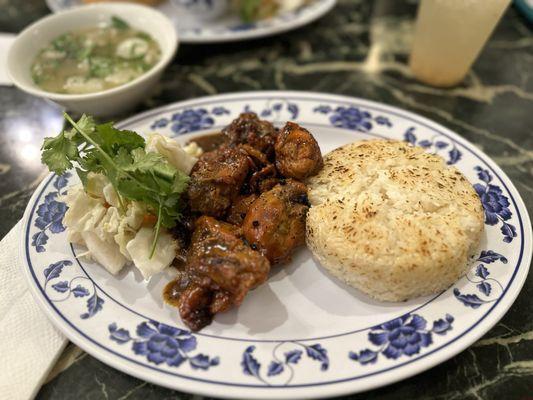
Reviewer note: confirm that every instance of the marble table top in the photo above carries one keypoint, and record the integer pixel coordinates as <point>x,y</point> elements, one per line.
<point>359,49</point>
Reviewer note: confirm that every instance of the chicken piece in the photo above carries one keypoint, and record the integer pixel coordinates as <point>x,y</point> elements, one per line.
<point>261,180</point>
<point>275,222</point>
<point>297,153</point>
<point>267,184</point>
<point>255,155</point>
<point>239,208</point>
<point>249,129</point>
<point>216,179</point>
<point>192,296</point>
<point>220,271</point>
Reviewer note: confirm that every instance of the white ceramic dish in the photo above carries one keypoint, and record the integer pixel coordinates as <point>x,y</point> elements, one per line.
<point>227,28</point>
<point>113,101</point>
<point>303,334</point>
<point>205,10</point>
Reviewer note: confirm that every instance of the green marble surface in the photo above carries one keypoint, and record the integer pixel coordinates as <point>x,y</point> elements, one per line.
<point>359,49</point>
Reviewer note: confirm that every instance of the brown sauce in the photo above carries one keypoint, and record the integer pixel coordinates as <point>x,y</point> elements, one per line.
<point>171,293</point>
<point>210,141</point>
<point>173,289</point>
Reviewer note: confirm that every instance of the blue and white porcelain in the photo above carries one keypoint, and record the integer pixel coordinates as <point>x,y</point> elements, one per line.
<point>206,21</point>
<point>201,9</point>
<point>303,334</point>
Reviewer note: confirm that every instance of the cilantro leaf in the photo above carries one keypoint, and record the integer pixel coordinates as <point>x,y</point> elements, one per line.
<point>147,162</point>
<point>112,139</point>
<point>58,153</point>
<point>86,123</point>
<point>152,171</point>
<point>181,182</point>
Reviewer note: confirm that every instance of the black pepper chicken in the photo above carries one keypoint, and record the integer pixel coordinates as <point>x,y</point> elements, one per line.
<point>216,180</point>
<point>275,222</point>
<point>250,206</point>
<point>297,153</point>
<point>220,270</point>
<point>249,129</point>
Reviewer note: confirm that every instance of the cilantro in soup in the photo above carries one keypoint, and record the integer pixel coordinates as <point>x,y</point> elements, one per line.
<point>95,59</point>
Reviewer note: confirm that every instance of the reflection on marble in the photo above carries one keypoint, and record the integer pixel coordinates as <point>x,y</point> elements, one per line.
<point>359,49</point>
<point>24,122</point>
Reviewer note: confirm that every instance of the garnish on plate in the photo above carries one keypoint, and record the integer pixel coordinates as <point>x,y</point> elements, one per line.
<point>120,156</point>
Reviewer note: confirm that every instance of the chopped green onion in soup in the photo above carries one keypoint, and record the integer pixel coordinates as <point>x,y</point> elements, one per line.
<point>95,59</point>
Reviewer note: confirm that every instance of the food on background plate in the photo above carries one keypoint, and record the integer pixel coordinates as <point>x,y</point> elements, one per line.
<point>95,59</point>
<point>392,220</point>
<point>255,10</point>
<point>145,2</point>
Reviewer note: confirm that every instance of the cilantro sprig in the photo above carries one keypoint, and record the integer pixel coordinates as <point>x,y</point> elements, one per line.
<point>120,155</point>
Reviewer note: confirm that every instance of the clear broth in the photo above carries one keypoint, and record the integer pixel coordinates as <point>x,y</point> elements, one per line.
<point>95,59</point>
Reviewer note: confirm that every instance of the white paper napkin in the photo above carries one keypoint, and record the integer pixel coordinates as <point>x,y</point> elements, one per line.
<point>29,343</point>
<point>6,39</point>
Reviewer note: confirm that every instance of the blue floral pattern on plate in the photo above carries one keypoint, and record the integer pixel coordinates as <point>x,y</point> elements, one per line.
<point>273,110</point>
<point>406,335</point>
<point>353,118</point>
<point>495,204</point>
<point>437,143</point>
<point>193,3</point>
<point>50,214</point>
<point>286,362</point>
<point>162,343</point>
<point>484,284</point>
<point>190,120</point>
<point>67,288</point>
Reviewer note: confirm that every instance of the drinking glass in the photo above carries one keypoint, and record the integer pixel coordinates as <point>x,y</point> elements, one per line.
<point>449,35</point>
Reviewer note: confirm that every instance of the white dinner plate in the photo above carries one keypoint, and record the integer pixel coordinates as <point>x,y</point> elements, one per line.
<point>303,334</point>
<point>227,28</point>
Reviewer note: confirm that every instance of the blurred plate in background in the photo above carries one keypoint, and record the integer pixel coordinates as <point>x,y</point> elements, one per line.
<point>228,28</point>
